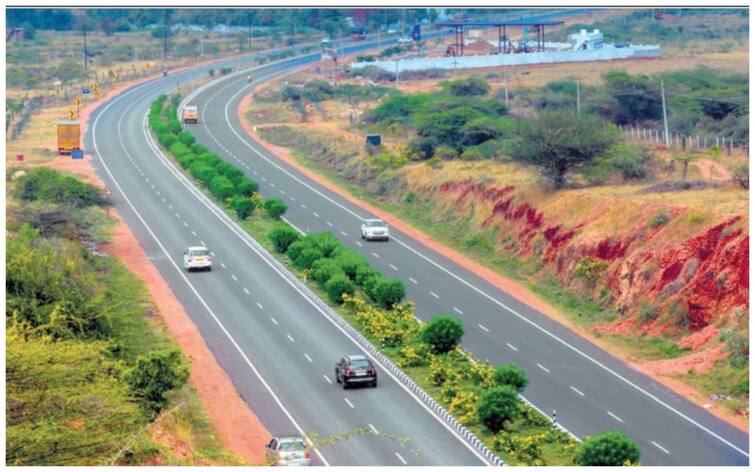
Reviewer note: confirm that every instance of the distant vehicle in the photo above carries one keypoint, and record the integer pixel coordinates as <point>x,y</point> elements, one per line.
<point>165,72</point>
<point>288,450</point>
<point>392,31</point>
<point>190,114</point>
<point>375,229</point>
<point>197,257</point>
<point>404,40</point>
<point>354,370</point>
<point>249,79</point>
<point>358,35</point>
<point>325,40</point>
<point>69,136</point>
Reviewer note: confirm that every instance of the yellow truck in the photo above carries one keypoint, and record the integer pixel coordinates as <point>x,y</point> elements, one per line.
<point>190,114</point>
<point>69,136</point>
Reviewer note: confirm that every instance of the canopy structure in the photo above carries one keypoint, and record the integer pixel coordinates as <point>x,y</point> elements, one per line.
<point>504,45</point>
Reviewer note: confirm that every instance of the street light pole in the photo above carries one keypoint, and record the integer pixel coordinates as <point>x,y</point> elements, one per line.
<point>665,118</point>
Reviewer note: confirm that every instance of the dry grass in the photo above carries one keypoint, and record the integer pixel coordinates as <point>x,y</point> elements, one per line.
<point>38,141</point>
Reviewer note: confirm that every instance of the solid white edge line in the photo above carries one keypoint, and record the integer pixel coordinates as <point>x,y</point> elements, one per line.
<point>240,234</point>
<point>186,280</point>
<point>400,458</point>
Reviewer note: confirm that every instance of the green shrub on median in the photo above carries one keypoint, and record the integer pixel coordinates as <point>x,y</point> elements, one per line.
<point>282,237</point>
<point>337,286</point>
<point>275,207</point>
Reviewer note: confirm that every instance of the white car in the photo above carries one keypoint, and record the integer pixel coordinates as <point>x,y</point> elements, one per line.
<point>197,257</point>
<point>373,229</point>
<point>405,40</point>
<point>288,450</point>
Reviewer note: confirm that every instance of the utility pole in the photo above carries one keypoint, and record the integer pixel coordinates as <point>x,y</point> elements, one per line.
<point>249,20</point>
<point>579,107</point>
<point>165,34</point>
<point>84,24</point>
<point>665,117</point>
<point>506,94</point>
<point>397,75</point>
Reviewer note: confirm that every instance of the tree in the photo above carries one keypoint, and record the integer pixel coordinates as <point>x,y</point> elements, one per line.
<point>275,207</point>
<point>443,333</point>
<point>244,207</point>
<point>388,292</point>
<point>559,141</point>
<point>609,448</point>
<point>154,375</point>
<point>637,98</point>
<point>282,237</point>
<point>497,406</point>
<point>337,286</point>
<point>511,375</point>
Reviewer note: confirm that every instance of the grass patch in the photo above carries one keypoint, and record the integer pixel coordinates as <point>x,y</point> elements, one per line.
<point>723,379</point>
<point>649,347</point>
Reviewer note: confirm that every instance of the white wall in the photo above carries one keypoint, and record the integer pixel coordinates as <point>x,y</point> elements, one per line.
<point>607,53</point>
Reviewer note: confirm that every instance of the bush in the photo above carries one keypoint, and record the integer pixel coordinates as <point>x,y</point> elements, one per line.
<point>324,269</point>
<point>282,237</point>
<point>202,172</point>
<point>247,187</point>
<point>609,448</point>
<point>275,207</point>
<point>350,261</point>
<point>512,376</point>
<point>443,333</point>
<point>297,247</point>
<point>307,257</point>
<point>243,206</point>
<point>154,375</point>
<point>467,87</point>
<point>222,187</point>
<point>364,274</point>
<point>167,139</point>
<point>388,292</point>
<point>497,406</point>
<point>51,186</point>
<point>187,138</point>
<point>659,220</point>
<point>337,286</point>
<point>741,176</point>
<point>325,242</point>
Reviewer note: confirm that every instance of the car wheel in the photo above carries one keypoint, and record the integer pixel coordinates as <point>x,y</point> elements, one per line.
<point>362,235</point>
<point>345,384</point>
<point>374,384</point>
<point>209,269</point>
<point>338,380</point>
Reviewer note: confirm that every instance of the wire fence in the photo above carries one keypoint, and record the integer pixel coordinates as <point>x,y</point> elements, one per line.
<point>680,141</point>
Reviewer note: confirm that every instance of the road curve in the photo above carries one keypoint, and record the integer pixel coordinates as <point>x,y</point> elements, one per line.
<point>276,347</point>
<point>590,390</point>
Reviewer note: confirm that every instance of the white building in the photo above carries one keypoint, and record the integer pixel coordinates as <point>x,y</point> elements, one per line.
<point>586,41</point>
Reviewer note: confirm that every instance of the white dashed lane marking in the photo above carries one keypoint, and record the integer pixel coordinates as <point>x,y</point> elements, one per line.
<point>458,311</point>
<point>483,328</point>
<point>290,338</point>
<point>343,233</point>
<point>327,378</point>
<point>260,305</point>
<point>377,256</point>
<point>434,294</point>
<point>542,367</point>
<point>246,291</point>
<point>233,276</point>
<point>275,322</point>
<point>193,233</point>
<point>578,392</point>
<point>348,402</point>
<point>221,264</point>
<point>401,458</point>
<point>615,417</point>
<point>413,281</point>
<point>660,447</point>
<point>307,356</point>
<point>316,214</point>
<point>329,223</point>
<point>374,429</point>
<point>358,243</point>
<point>393,267</point>
<point>512,347</point>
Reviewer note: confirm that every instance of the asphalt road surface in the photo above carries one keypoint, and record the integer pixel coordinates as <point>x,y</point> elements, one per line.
<point>276,346</point>
<point>590,390</point>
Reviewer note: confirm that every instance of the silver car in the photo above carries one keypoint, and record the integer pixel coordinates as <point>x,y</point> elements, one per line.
<point>288,450</point>
<point>373,229</point>
<point>197,257</point>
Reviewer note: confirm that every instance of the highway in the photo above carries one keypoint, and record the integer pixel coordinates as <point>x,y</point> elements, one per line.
<point>590,390</point>
<point>276,345</point>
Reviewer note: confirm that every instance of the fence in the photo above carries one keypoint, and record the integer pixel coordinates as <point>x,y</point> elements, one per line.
<point>680,141</point>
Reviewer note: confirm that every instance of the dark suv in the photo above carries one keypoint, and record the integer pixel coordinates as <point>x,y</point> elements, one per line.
<point>355,370</point>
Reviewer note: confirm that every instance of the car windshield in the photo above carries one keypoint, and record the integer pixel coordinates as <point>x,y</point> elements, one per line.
<point>199,253</point>
<point>292,445</point>
<point>360,363</point>
<point>374,223</point>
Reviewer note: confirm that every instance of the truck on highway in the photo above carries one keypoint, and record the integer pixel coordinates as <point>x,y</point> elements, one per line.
<point>69,136</point>
<point>190,114</point>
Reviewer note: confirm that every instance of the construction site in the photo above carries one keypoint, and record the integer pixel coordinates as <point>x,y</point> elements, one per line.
<point>496,43</point>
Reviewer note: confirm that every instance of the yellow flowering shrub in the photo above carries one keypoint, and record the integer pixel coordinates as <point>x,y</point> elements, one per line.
<point>522,450</point>
<point>464,406</point>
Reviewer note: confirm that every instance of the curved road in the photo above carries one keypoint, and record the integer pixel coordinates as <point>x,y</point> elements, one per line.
<point>277,347</point>
<point>591,390</point>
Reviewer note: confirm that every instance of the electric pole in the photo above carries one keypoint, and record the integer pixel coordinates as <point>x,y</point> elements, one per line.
<point>249,20</point>
<point>84,29</point>
<point>165,34</point>
<point>665,117</point>
<point>579,107</point>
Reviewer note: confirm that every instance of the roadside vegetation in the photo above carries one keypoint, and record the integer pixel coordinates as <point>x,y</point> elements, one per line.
<point>91,375</point>
<point>483,397</point>
<point>512,188</point>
